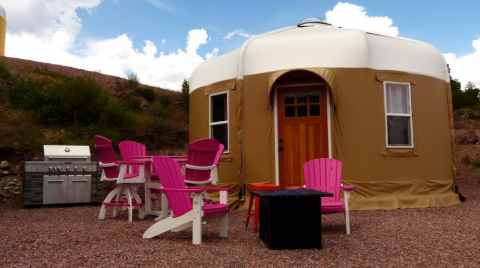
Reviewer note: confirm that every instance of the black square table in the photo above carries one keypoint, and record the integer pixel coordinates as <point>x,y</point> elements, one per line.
<point>291,219</point>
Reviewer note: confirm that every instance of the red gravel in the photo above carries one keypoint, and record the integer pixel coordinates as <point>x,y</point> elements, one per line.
<point>74,237</point>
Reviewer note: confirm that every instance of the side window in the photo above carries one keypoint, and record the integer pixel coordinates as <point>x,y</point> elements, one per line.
<point>219,118</point>
<point>398,115</point>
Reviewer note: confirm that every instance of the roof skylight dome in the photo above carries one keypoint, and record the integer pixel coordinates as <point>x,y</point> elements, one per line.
<point>312,20</point>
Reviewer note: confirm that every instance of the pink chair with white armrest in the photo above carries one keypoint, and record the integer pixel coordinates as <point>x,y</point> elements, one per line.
<point>325,174</point>
<point>114,170</point>
<point>185,213</point>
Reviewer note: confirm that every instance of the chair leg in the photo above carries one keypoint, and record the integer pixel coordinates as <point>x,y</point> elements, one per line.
<point>224,225</point>
<point>347,221</point>
<point>257,214</point>
<point>103,210</point>
<point>249,211</point>
<point>108,199</point>
<point>197,219</point>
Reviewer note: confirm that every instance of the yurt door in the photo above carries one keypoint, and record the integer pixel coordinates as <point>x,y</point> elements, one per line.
<point>302,130</point>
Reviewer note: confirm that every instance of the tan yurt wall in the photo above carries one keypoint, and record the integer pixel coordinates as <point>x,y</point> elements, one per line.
<point>3,30</point>
<point>384,178</point>
<point>228,172</point>
<point>393,178</point>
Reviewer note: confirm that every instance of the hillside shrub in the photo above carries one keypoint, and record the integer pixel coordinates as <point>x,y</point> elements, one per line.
<point>466,160</point>
<point>476,163</point>
<point>77,101</point>
<point>148,93</point>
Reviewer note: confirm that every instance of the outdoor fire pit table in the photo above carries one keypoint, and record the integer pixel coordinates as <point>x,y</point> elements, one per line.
<point>291,219</point>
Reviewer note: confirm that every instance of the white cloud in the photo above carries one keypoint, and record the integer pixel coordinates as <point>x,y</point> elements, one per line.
<point>213,54</point>
<point>240,32</point>
<point>163,41</point>
<point>353,16</point>
<point>466,68</point>
<point>55,38</point>
<point>160,5</point>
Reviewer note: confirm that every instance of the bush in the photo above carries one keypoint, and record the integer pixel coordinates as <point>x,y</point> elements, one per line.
<point>476,163</point>
<point>132,81</point>
<point>4,71</point>
<point>77,101</point>
<point>159,111</point>
<point>466,160</point>
<point>165,100</point>
<point>148,93</point>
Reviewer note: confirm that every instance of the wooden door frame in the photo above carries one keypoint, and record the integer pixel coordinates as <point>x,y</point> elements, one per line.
<point>275,115</point>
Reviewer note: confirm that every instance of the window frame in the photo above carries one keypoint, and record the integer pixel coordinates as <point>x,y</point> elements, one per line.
<point>227,122</point>
<point>387,114</point>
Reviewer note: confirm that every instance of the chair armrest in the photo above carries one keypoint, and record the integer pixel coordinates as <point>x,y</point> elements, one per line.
<point>211,188</point>
<point>134,163</point>
<point>180,190</point>
<point>107,165</point>
<point>348,187</point>
<point>200,168</point>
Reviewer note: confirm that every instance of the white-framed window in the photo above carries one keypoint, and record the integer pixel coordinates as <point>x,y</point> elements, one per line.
<point>398,115</point>
<point>219,118</point>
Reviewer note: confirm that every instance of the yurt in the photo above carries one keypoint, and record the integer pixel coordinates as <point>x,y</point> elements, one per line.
<point>3,30</point>
<point>380,104</point>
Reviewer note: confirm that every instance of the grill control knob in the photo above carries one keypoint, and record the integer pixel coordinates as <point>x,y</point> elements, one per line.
<point>59,168</point>
<point>75,168</point>
<point>54,168</point>
<point>67,169</point>
<point>50,169</point>
<point>84,168</point>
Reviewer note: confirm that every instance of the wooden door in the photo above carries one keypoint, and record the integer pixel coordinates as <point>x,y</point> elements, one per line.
<point>302,130</point>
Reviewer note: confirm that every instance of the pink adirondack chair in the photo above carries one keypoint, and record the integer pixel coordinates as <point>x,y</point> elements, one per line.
<point>185,213</point>
<point>129,149</point>
<point>325,174</point>
<point>202,161</point>
<point>114,170</point>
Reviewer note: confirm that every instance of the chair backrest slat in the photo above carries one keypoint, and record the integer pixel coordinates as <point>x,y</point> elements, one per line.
<point>129,149</point>
<point>324,174</point>
<point>171,176</point>
<point>106,154</point>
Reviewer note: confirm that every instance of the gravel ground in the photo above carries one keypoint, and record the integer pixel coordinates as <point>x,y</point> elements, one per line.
<point>74,237</point>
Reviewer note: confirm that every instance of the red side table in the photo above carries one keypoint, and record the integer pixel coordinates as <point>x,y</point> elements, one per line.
<point>256,214</point>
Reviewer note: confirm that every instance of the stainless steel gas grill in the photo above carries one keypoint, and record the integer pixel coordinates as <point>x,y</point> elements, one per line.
<point>66,176</point>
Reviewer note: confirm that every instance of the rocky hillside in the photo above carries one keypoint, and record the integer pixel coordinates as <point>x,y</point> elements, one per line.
<point>156,117</point>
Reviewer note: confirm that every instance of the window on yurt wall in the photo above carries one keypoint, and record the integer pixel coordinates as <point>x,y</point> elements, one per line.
<point>398,115</point>
<point>219,118</point>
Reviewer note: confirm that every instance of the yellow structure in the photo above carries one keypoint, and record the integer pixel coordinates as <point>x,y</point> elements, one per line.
<point>3,30</point>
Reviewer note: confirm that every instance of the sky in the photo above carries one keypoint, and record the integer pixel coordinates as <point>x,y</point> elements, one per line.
<point>162,41</point>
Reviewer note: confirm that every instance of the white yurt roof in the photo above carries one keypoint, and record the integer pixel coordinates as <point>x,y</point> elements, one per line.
<point>324,46</point>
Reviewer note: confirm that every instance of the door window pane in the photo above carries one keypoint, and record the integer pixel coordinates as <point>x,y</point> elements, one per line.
<point>301,97</point>
<point>289,98</point>
<point>314,110</point>
<point>314,97</point>
<point>290,111</point>
<point>302,111</point>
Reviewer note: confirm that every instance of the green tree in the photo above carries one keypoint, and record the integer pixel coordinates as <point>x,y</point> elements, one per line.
<point>467,98</point>
<point>186,94</point>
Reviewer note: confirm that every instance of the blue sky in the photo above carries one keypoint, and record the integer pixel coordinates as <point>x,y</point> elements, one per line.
<point>163,40</point>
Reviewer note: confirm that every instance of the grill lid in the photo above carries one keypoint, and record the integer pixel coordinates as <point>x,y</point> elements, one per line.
<point>66,153</point>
